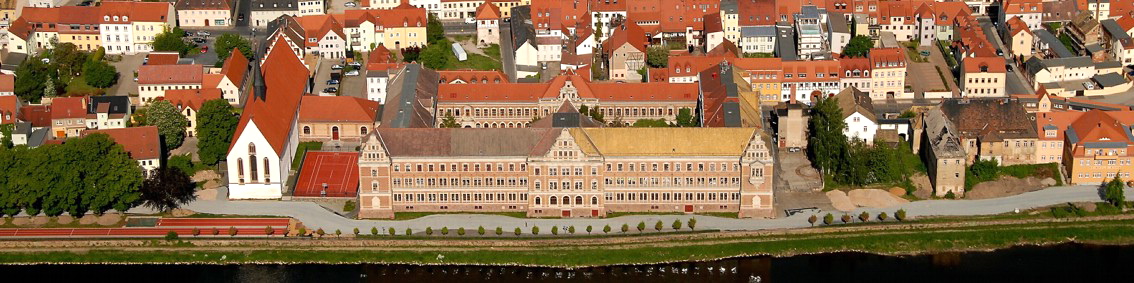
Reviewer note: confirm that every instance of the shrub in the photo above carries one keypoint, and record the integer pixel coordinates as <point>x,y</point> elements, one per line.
<point>408,231</point>
<point>589,228</point>
<point>517,231</point>
<point>499,231</point>
<point>950,195</point>
<point>393,232</point>
<point>356,231</point>
<point>900,215</point>
<point>349,206</point>
<point>828,219</point>
<point>606,229</point>
<point>692,223</point>
<point>535,230</point>
<point>1059,212</point>
<point>641,226</point>
<point>846,218</point>
<point>882,216</point>
<point>571,229</point>
<point>625,227</point>
<point>1104,208</point>
<point>374,231</point>
<point>480,230</point>
<point>676,225</point>
<point>812,220</point>
<point>232,231</point>
<point>555,230</point>
<point>269,231</point>
<point>302,231</point>
<point>461,231</point>
<point>196,232</point>
<point>864,216</point>
<point>338,232</point>
<point>444,230</point>
<point>658,226</point>
<point>429,231</point>
<point>171,236</point>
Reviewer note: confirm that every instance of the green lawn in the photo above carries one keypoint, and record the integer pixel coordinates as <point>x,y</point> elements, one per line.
<point>301,149</point>
<point>415,215</point>
<point>79,87</point>
<point>475,62</point>
<point>493,51</point>
<point>900,240</point>
<point>714,214</point>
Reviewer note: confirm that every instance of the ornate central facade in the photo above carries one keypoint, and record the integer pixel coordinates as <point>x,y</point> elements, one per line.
<point>576,172</point>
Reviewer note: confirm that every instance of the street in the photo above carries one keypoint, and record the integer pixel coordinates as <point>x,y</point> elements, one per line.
<point>1015,81</point>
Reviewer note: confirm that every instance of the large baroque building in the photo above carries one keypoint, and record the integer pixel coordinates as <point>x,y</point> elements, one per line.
<point>566,172</point>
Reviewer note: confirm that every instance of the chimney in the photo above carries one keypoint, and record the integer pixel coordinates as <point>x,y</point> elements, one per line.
<point>792,101</point>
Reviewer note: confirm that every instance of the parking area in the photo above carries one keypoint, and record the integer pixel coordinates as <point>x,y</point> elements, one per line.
<point>338,6</point>
<point>126,68</point>
<point>348,85</point>
<point>797,185</point>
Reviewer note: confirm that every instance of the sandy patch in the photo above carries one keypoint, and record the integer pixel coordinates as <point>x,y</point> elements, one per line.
<point>20,221</point>
<point>40,220</point>
<point>205,175</point>
<point>1005,186</point>
<point>178,212</point>
<point>64,219</point>
<point>109,219</point>
<point>212,184</point>
<point>840,200</point>
<point>924,187</point>
<point>88,219</point>
<point>875,198</point>
<point>207,194</point>
<point>898,192</point>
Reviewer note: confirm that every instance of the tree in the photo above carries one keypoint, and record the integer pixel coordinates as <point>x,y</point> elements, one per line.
<point>409,231</point>
<point>338,233</point>
<point>449,121</point>
<point>171,236</point>
<point>31,76</point>
<point>374,231</point>
<point>625,227</point>
<point>828,145</point>
<point>393,232</point>
<point>216,124</point>
<point>444,230</point>
<point>685,118</point>
<point>411,54</point>
<point>882,217</point>
<point>900,215</point>
<point>302,232</point>
<point>480,230</point>
<point>461,231</point>
<point>676,225</point>
<point>232,231</point>
<point>225,43</point>
<point>428,231</point>
<point>555,230</point>
<point>846,218</point>
<point>356,231</point>
<point>170,40</point>
<point>658,226</point>
<point>589,229</point>
<point>571,229</point>
<point>606,229</point>
<point>269,231</point>
<point>864,216</point>
<point>517,231</point>
<point>100,74</point>
<point>828,219</point>
<point>596,114</point>
<point>435,56</point>
<point>651,123</point>
<point>49,88</point>
<point>657,56</point>
<point>812,220</point>
<point>692,223</point>
<point>641,226</point>
<point>499,231</point>
<point>167,188</point>
<point>69,59</point>
<point>434,30</point>
<point>535,230</point>
<point>1113,192</point>
<point>859,46</point>
<point>169,121</point>
<point>196,231</point>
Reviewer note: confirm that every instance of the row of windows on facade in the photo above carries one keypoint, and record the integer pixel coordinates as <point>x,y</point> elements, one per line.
<point>335,129</point>
<point>563,200</point>
<point>566,171</point>
<point>1099,175</point>
<point>565,185</point>
<point>617,197</point>
<point>1108,162</point>
<point>253,169</point>
<point>527,113</point>
<point>459,197</point>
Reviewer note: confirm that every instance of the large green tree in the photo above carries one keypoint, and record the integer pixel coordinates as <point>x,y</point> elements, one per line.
<point>30,78</point>
<point>226,42</point>
<point>827,145</point>
<point>216,124</point>
<point>171,40</point>
<point>100,74</point>
<point>68,58</point>
<point>434,30</point>
<point>859,46</point>
<point>169,121</point>
<point>167,188</point>
<point>449,121</point>
<point>685,118</point>
<point>435,56</point>
<point>657,56</point>
<point>86,174</point>
<point>1113,194</point>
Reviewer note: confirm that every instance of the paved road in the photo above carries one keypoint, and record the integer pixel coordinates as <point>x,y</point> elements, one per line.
<point>1015,81</point>
<point>507,56</point>
<point>315,216</point>
<point>454,27</point>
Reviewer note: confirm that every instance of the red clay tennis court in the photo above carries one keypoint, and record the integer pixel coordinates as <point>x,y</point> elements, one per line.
<point>337,170</point>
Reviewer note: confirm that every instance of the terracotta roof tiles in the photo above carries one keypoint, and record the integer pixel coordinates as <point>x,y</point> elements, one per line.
<point>140,142</point>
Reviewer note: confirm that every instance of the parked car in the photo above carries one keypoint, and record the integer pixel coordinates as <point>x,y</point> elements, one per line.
<point>198,40</point>
<point>470,20</point>
<point>337,67</point>
<point>203,33</point>
<point>352,73</point>
<point>240,17</point>
<point>350,4</point>
<point>332,82</point>
<point>188,34</point>
<point>204,49</point>
<point>355,64</point>
<point>330,90</point>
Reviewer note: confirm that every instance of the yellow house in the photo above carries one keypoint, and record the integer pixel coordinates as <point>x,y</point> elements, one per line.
<point>395,28</point>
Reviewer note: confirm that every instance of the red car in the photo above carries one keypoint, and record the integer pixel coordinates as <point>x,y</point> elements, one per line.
<point>204,49</point>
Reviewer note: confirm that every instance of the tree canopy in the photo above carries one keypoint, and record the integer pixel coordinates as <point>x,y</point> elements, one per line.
<point>657,56</point>
<point>91,173</point>
<point>449,121</point>
<point>167,188</point>
<point>828,144</point>
<point>100,74</point>
<point>435,56</point>
<point>31,76</point>
<point>226,42</point>
<point>216,123</point>
<point>859,46</point>
<point>434,30</point>
<point>1113,193</point>
<point>685,118</point>
<point>171,40</point>
<point>169,121</point>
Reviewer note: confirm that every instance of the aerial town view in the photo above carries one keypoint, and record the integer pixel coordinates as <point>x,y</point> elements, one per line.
<point>567,140</point>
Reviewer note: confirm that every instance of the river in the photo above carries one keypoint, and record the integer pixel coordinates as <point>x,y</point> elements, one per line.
<point>1058,263</point>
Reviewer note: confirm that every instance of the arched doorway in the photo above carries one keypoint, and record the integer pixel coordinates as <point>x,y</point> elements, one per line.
<point>335,133</point>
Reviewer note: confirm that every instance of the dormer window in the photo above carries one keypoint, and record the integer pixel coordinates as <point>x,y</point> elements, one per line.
<point>1049,133</point>
<point>106,18</point>
<point>125,18</point>
<point>115,18</point>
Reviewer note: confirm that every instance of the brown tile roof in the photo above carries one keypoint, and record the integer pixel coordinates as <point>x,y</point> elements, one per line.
<point>627,33</point>
<point>530,92</point>
<point>140,142</point>
<point>68,107</point>
<point>487,11</point>
<point>7,83</point>
<point>466,142</point>
<point>202,5</point>
<point>9,109</point>
<point>989,119</point>
<point>851,100</point>
<point>136,11</point>
<point>285,80</point>
<point>37,115</point>
<point>191,98</point>
<point>171,74</point>
<point>992,64</point>
<point>337,109</point>
<point>163,58</point>
<point>472,76</point>
<point>235,67</point>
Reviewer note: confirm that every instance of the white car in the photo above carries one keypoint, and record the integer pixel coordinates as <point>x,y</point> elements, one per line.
<point>470,20</point>
<point>352,73</point>
<point>350,4</point>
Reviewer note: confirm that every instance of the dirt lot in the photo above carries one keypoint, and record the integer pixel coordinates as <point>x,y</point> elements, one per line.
<point>1008,186</point>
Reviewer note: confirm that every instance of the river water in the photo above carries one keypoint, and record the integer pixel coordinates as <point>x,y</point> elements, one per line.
<point>1059,263</point>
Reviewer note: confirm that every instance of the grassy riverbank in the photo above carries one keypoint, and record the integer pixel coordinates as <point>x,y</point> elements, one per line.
<point>898,239</point>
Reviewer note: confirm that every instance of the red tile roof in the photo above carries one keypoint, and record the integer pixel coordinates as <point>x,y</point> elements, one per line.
<point>285,81</point>
<point>628,33</point>
<point>487,11</point>
<point>235,67</point>
<point>136,11</point>
<point>7,83</point>
<point>337,109</point>
<point>191,98</point>
<point>887,57</point>
<point>757,13</point>
<point>1022,6</point>
<point>318,26</point>
<point>37,115</point>
<point>1016,25</point>
<point>994,64</point>
<point>9,109</point>
<point>163,58</point>
<point>171,74</point>
<point>532,92</point>
<point>68,107</point>
<point>140,142</point>
<point>472,76</point>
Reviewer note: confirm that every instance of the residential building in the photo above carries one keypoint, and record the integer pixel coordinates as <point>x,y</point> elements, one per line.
<point>231,78</point>
<point>189,102</point>
<point>838,32</point>
<point>488,24</point>
<point>983,77</point>
<point>9,109</point>
<point>759,39</point>
<point>68,116</point>
<point>812,32</point>
<point>130,27</point>
<point>204,13</point>
<point>264,11</point>
<point>858,114</point>
<point>1095,145</point>
<point>397,28</point>
<point>557,172</point>
<point>335,120</point>
<point>856,74</point>
<point>810,78</point>
<point>1084,29</point>
<point>143,144</point>
<point>944,154</point>
<point>992,129</point>
<point>626,50</point>
<point>889,73</point>
<point>108,112</point>
<point>524,43</point>
<point>154,80</point>
<point>1020,38</point>
<point>7,85</point>
<point>263,147</point>
<point>791,120</point>
<point>1031,11</point>
<point>378,68</point>
<point>1062,73</point>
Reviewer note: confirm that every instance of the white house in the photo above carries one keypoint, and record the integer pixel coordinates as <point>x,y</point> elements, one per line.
<point>259,159</point>
<point>858,113</point>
